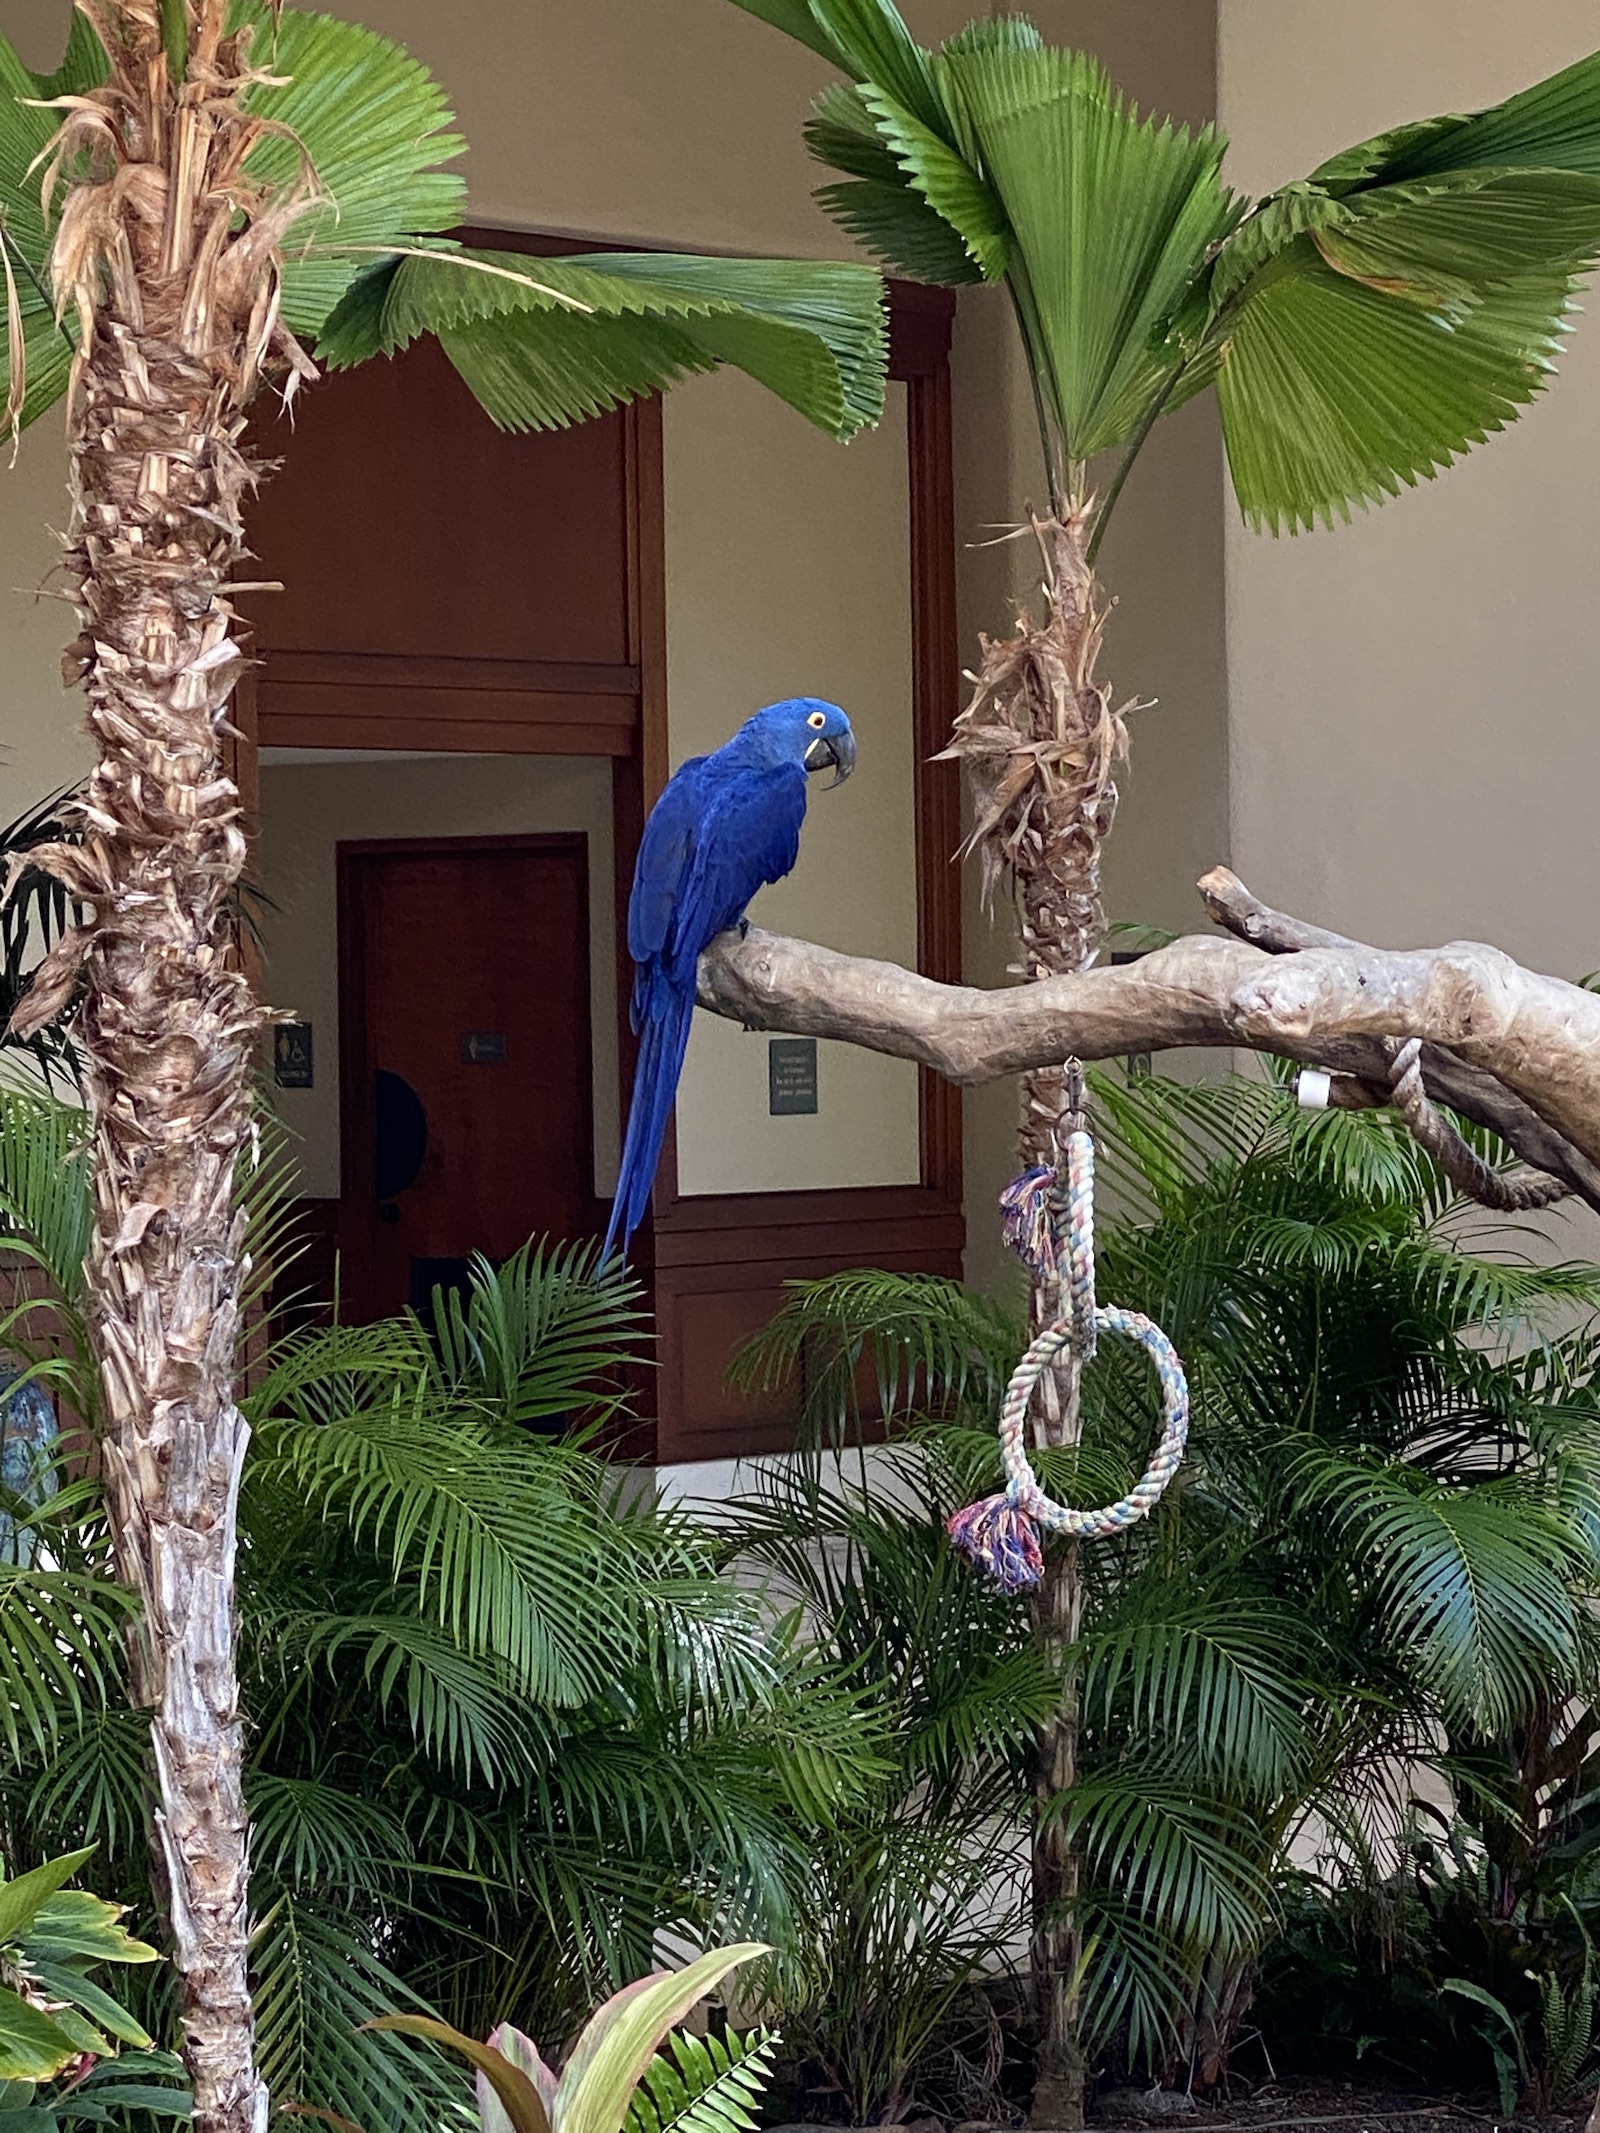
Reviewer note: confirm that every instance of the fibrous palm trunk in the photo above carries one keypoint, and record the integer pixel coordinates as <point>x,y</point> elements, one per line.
<point>1040,741</point>
<point>170,264</point>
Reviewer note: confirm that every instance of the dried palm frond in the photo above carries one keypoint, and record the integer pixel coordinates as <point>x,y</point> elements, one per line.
<point>1040,741</point>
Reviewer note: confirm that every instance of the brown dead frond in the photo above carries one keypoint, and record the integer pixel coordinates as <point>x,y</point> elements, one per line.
<point>1041,740</point>
<point>16,348</point>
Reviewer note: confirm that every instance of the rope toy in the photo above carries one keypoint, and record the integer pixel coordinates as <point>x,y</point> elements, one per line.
<point>1052,1231</point>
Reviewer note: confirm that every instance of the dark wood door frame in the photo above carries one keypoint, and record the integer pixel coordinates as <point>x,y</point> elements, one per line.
<point>730,1253</point>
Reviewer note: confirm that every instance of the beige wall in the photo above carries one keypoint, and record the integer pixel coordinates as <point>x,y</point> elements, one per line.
<point>1416,697</point>
<point>308,806</point>
<point>42,740</point>
<point>787,575</point>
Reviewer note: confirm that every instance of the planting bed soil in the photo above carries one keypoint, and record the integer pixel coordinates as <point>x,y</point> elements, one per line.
<point>1340,2107</point>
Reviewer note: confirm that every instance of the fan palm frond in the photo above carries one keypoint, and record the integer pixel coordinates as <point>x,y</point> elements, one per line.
<point>555,341</point>
<point>46,348</point>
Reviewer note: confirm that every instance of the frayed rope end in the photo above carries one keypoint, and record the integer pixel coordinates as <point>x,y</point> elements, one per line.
<point>1028,1221</point>
<point>1001,1541</point>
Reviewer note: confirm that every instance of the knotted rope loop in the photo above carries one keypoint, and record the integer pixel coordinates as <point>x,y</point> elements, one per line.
<point>1023,1492</point>
<point>1050,1224</point>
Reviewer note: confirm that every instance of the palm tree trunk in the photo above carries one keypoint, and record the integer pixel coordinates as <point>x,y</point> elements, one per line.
<point>168,1033</point>
<point>1040,739</point>
<point>1056,1946</point>
<point>170,263</point>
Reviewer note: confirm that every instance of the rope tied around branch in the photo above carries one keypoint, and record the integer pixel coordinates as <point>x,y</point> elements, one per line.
<point>1510,1192</point>
<point>1049,1223</point>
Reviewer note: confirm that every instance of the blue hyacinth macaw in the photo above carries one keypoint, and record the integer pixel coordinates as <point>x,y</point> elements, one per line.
<point>726,824</point>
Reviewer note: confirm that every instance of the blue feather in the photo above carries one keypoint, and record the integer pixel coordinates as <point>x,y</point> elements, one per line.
<point>726,824</point>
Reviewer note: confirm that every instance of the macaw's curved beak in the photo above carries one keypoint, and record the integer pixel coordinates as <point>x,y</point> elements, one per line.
<point>839,749</point>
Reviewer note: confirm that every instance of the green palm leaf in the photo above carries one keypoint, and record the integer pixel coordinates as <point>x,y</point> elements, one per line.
<point>946,181</point>
<point>1555,125</point>
<point>1190,1863</point>
<point>896,225</point>
<point>91,1788</point>
<point>797,20</point>
<point>1137,1980</point>
<point>60,1649</point>
<point>873,44</point>
<point>1335,393</point>
<point>532,1335</point>
<point>1477,1584</point>
<point>304,1830</point>
<point>1226,1679</point>
<point>495,1543</point>
<point>461,1709</point>
<point>1112,215</point>
<point>1364,327</point>
<point>317,1984</point>
<point>25,245</point>
<point>45,1208</point>
<point>552,342</point>
<point>372,125</point>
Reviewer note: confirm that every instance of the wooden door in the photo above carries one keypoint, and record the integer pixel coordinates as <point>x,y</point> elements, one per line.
<point>466,1104</point>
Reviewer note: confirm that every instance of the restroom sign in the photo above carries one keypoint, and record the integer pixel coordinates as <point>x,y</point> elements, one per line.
<point>791,1077</point>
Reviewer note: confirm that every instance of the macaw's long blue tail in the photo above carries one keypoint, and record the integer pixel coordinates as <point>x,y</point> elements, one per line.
<point>663,1040</point>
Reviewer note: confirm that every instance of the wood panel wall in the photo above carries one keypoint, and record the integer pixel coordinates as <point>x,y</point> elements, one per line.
<point>508,595</point>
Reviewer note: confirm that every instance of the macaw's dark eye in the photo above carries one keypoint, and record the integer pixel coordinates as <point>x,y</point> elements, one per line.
<point>818,719</point>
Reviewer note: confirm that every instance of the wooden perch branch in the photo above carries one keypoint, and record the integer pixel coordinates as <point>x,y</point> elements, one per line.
<point>1502,1045</point>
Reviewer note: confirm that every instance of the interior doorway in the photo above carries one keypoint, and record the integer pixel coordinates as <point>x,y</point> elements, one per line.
<point>466,1109</point>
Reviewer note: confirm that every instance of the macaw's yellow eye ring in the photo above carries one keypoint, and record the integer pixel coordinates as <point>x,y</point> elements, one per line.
<point>818,719</point>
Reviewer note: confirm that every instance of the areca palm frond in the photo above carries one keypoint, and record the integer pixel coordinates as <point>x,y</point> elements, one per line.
<point>348,160</point>
<point>481,1524</point>
<point>317,1985</point>
<point>60,1650</point>
<point>91,1787</point>
<point>1184,1863</point>
<point>452,1786</point>
<point>1482,1588</point>
<point>44,1188</point>
<point>1363,326</point>
<point>1385,1533</point>
<point>550,1318</point>
<point>1214,1685</point>
<point>458,1705</point>
<point>928,1346</point>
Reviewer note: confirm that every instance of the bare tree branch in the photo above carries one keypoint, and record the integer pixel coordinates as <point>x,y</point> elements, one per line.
<point>1505,1046</point>
<point>1471,1091</point>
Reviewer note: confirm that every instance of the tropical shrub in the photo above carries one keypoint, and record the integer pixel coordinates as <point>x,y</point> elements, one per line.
<point>469,1795</point>
<point>911,1893</point>
<point>1379,1555</point>
<point>69,2052</point>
